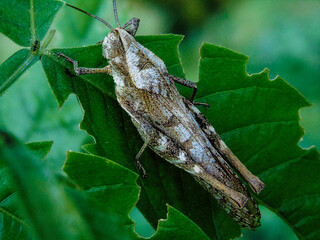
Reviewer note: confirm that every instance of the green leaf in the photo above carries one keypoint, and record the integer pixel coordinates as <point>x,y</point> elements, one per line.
<point>259,121</point>
<point>14,66</point>
<point>107,123</point>
<point>178,227</point>
<point>12,224</point>
<point>104,180</point>
<point>43,200</point>
<point>26,21</point>
<point>40,148</point>
<point>256,117</point>
<point>113,188</point>
<point>13,227</point>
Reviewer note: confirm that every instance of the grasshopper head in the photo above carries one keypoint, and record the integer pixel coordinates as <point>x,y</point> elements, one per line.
<point>119,39</point>
<point>116,42</point>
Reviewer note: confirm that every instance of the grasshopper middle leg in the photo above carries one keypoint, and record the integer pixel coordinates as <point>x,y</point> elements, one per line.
<point>137,158</point>
<point>189,84</point>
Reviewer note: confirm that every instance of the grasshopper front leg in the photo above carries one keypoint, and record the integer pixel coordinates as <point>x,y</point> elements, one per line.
<point>82,70</point>
<point>189,84</point>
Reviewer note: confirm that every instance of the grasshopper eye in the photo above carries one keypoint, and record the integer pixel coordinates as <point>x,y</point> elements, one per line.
<point>116,32</point>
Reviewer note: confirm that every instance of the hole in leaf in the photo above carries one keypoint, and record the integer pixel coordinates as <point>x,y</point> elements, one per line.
<point>142,228</point>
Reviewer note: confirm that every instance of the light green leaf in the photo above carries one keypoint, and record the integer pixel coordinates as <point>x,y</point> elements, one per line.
<point>25,21</point>
<point>40,148</point>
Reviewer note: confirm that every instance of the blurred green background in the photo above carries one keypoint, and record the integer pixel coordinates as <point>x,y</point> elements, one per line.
<point>281,35</point>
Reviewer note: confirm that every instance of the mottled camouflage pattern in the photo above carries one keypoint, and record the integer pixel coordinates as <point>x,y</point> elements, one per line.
<point>175,128</point>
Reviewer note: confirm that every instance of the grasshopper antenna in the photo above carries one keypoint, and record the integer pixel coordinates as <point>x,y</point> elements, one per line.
<point>91,15</point>
<point>116,13</point>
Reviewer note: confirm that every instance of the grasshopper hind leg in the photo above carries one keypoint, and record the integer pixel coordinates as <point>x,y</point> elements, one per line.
<point>254,182</point>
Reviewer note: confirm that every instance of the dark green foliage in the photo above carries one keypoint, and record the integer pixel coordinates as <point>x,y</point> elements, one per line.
<point>257,118</point>
<point>93,203</point>
<point>261,126</point>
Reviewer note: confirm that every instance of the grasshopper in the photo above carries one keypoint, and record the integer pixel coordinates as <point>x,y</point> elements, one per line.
<point>170,124</point>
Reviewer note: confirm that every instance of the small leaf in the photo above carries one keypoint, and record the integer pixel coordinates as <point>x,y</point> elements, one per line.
<point>14,66</point>
<point>40,148</point>
<point>25,21</point>
<point>179,227</point>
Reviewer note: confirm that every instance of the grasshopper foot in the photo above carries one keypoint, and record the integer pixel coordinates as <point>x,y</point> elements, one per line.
<point>141,169</point>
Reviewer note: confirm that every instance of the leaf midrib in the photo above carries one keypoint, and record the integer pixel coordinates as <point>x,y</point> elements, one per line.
<point>11,215</point>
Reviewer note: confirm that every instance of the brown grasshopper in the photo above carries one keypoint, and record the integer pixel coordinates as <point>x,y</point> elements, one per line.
<point>170,124</point>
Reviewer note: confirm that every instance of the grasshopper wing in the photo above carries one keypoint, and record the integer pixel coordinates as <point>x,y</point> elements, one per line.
<point>250,216</point>
<point>191,130</point>
<point>176,123</point>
